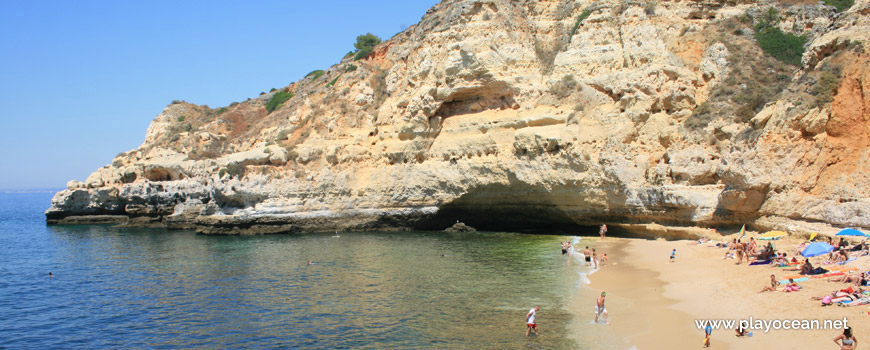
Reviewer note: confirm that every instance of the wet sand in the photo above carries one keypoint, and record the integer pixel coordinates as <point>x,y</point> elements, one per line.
<point>653,303</point>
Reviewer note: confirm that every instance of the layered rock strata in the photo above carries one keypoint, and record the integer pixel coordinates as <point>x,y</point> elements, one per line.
<point>526,115</point>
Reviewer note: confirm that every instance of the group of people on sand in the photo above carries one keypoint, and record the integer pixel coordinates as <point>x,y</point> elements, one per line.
<point>843,253</point>
<point>749,251</point>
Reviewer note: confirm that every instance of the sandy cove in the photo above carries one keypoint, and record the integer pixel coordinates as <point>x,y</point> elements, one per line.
<point>654,303</point>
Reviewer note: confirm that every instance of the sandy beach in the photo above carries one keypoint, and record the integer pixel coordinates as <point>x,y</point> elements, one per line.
<point>654,303</point>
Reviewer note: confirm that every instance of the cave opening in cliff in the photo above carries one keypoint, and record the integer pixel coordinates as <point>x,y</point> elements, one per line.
<point>514,207</point>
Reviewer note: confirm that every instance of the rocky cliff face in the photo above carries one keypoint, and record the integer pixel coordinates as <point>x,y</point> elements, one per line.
<point>527,114</point>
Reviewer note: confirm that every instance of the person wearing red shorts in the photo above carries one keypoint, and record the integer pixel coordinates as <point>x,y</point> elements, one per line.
<point>530,320</point>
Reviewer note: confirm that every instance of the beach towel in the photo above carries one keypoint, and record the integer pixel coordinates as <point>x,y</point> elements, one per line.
<point>818,271</point>
<point>796,280</point>
<point>847,261</point>
<point>832,274</point>
<point>760,262</point>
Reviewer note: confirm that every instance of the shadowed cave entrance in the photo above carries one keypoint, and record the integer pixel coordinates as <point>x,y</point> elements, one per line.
<point>516,207</point>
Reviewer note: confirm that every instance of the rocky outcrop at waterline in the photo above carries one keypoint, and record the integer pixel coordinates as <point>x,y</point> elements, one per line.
<point>527,115</point>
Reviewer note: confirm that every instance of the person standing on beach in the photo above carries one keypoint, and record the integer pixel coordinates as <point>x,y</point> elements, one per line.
<point>708,332</point>
<point>674,255</point>
<point>594,258</point>
<point>530,320</point>
<point>602,230</point>
<point>599,308</point>
<point>588,256</point>
<point>739,248</point>
<point>846,340</point>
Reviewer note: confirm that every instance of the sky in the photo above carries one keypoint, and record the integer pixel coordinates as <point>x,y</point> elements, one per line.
<point>80,81</point>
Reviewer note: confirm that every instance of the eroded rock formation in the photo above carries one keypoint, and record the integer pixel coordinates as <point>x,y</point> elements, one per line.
<point>521,115</point>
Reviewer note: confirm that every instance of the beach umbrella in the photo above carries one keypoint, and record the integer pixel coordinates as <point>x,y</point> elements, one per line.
<point>772,235</point>
<point>743,231</point>
<point>813,236</point>
<point>851,232</point>
<point>816,249</point>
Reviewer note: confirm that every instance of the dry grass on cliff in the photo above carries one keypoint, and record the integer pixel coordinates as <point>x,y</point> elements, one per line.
<point>754,78</point>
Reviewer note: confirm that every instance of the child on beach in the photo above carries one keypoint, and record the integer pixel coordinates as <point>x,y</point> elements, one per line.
<point>772,287</point>
<point>604,259</point>
<point>530,320</point>
<point>599,308</point>
<point>674,255</point>
<point>791,286</point>
<point>708,331</point>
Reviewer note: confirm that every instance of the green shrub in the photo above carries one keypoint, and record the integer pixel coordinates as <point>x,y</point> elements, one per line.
<point>586,12</point>
<point>841,5</point>
<point>649,8</point>
<point>785,47</point>
<point>365,44</point>
<point>282,135</point>
<point>564,87</point>
<point>233,170</point>
<point>826,87</point>
<point>277,100</point>
<point>181,119</point>
<point>333,81</point>
<point>350,68</point>
<point>221,110</point>
<point>315,74</point>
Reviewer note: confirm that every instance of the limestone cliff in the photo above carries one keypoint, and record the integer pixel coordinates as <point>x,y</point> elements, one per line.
<point>527,114</point>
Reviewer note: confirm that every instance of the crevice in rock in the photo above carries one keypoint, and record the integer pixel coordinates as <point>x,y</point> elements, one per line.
<point>493,95</point>
<point>158,174</point>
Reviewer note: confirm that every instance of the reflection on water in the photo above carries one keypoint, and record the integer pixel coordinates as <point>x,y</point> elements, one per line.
<point>117,287</point>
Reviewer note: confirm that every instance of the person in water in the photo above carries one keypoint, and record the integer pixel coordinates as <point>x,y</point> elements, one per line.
<point>530,320</point>
<point>564,248</point>
<point>588,256</point>
<point>846,341</point>
<point>594,258</point>
<point>50,275</point>
<point>600,309</point>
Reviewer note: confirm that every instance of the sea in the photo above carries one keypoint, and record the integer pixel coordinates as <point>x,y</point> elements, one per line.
<point>134,288</point>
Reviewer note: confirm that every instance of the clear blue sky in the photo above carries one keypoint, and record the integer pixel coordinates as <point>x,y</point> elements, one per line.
<point>81,80</point>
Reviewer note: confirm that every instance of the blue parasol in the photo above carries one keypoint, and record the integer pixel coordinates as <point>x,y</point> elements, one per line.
<point>816,249</point>
<point>851,232</point>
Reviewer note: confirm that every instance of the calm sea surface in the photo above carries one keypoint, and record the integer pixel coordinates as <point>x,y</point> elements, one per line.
<point>144,288</point>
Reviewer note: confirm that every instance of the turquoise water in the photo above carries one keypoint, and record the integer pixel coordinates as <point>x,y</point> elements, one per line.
<point>145,288</point>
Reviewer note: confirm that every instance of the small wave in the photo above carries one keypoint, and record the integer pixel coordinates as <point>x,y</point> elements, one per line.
<point>584,278</point>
